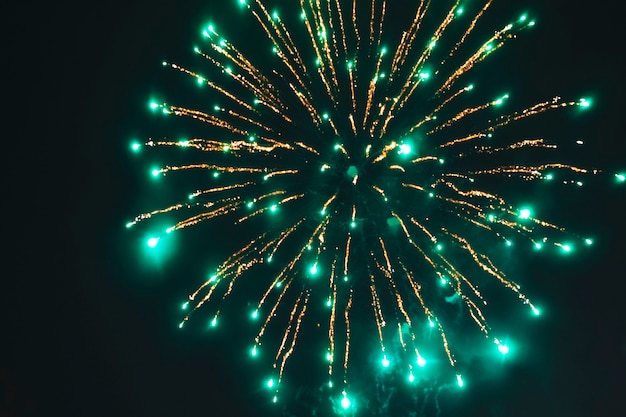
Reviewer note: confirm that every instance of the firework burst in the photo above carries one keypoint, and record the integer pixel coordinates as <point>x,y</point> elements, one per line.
<point>365,164</point>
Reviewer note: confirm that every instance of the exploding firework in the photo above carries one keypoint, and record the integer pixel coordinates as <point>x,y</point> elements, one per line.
<point>365,173</point>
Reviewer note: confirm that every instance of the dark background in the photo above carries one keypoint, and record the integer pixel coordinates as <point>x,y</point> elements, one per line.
<point>87,332</point>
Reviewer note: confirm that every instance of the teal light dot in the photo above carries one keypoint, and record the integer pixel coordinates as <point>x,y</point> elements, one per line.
<point>255,314</point>
<point>135,146</point>
<point>566,248</point>
<point>405,149</point>
<point>503,349</point>
<point>536,311</point>
<point>345,402</point>
<point>214,322</point>
<point>153,242</point>
<point>621,177</point>
<point>524,213</point>
<point>153,105</point>
<point>459,380</point>
<point>508,242</point>
<point>411,377</point>
<point>270,383</point>
<point>253,351</point>
<point>185,305</point>
<point>385,362</point>
<point>538,245</point>
<point>313,269</point>
<point>588,242</point>
<point>421,362</point>
<point>273,208</point>
<point>549,177</point>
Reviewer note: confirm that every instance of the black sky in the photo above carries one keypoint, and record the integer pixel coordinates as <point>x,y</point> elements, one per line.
<point>87,332</point>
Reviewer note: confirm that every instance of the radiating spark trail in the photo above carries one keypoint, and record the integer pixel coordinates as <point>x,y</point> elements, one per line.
<point>351,171</point>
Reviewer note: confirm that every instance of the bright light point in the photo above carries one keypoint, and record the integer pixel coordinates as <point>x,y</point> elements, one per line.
<point>269,259</point>
<point>330,384</point>
<point>524,214</point>
<point>313,269</point>
<point>135,146</point>
<point>214,322</point>
<point>504,349</point>
<point>439,246</point>
<point>216,174</point>
<point>432,44</point>
<point>421,361</point>
<point>470,87</point>
<point>274,399</point>
<point>345,278</point>
<point>385,362</point>
<point>620,177</point>
<point>459,11</point>
<point>253,351</point>
<point>459,381</point>
<point>130,224</point>
<point>329,303</point>
<point>424,75</point>
<point>181,324</point>
<point>536,311</point>
<point>250,204</point>
<point>345,402</point>
<point>154,105</point>
<point>441,160</point>
<point>255,314</point>
<point>431,323</point>
<point>583,102</point>
<point>549,177</point>
<point>588,241</point>
<point>270,383</point>
<point>411,377</point>
<point>566,248</point>
<point>325,116</point>
<point>352,225</point>
<point>273,208</point>
<point>405,149</point>
<point>508,242</point>
<point>153,241</point>
<point>185,305</point>
<point>531,23</point>
<point>538,245</point>
<point>491,217</point>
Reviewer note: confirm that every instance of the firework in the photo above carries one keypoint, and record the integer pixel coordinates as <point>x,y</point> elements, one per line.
<point>365,168</point>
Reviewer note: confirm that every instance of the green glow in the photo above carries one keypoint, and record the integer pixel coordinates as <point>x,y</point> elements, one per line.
<point>620,177</point>
<point>536,311</point>
<point>531,23</point>
<point>153,105</point>
<point>524,213</point>
<point>421,362</point>
<point>538,245</point>
<point>153,242</point>
<point>583,102</point>
<point>566,248</point>
<point>253,351</point>
<point>273,208</point>
<point>275,399</point>
<point>411,377</point>
<point>129,225</point>
<point>185,305</point>
<point>255,314</point>
<point>459,11</point>
<point>588,242</point>
<point>500,100</point>
<point>352,225</point>
<point>405,149</point>
<point>270,383</point>
<point>522,18</point>
<point>549,177</point>
<point>439,247</point>
<point>385,362</point>
<point>424,75</point>
<point>216,174</point>
<point>459,380</point>
<point>508,242</point>
<point>313,269</point>
<point>135,146</point>
<point>432,44</point>
<point>214,322</point>
<point>345,402</point>
<point>491,218</point>
<point>503,349</point>
<point>431,323</point>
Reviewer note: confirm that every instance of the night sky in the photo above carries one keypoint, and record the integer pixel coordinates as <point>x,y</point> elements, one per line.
<point>88,330</point>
